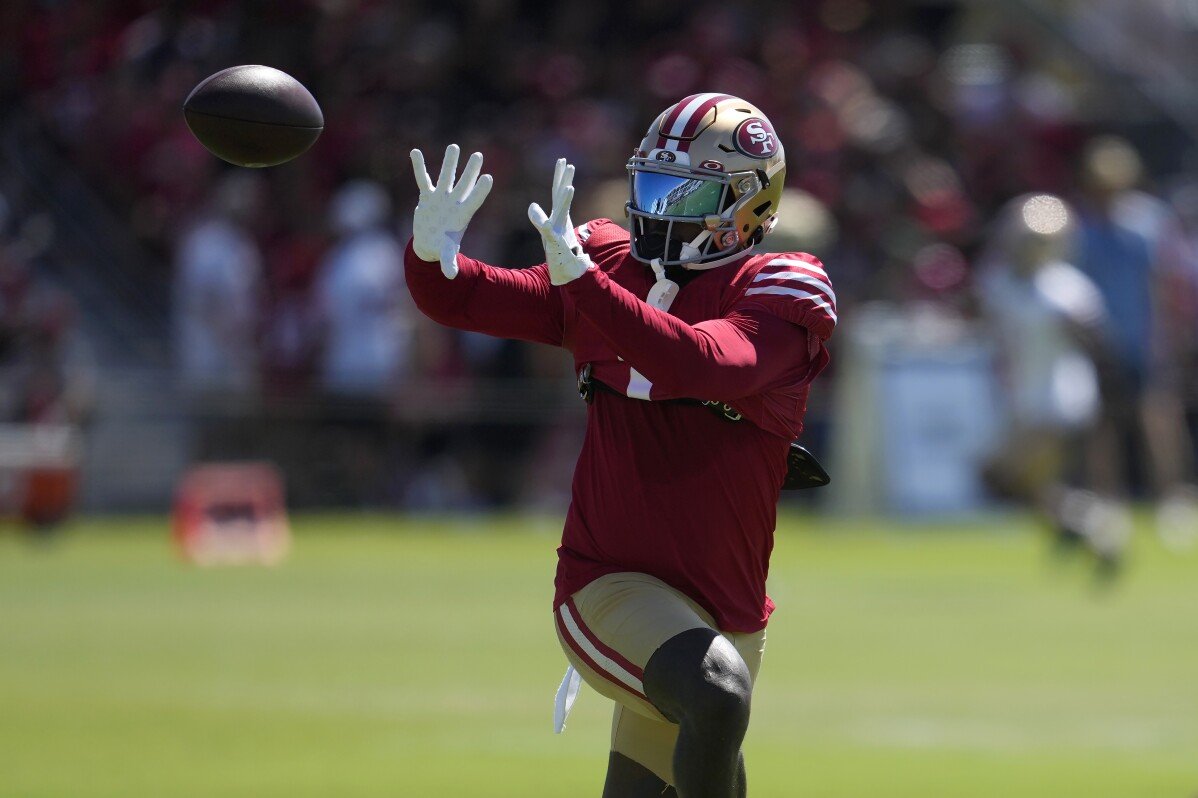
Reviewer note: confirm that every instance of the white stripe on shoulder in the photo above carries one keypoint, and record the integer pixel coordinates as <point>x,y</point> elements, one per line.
<point>602,660</point>
<point>639,386</point>
<point>685,116</point>
<point>802,264</point>
<point>816,299</point>
<point>800,277</point>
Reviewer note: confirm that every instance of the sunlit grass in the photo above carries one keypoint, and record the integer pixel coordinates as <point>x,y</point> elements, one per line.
<point>393,657</point>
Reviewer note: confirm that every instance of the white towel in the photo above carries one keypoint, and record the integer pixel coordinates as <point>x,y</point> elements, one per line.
<point>564,701</point>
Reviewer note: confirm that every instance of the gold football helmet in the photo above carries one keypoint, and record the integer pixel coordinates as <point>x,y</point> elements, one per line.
<point>705,182</point>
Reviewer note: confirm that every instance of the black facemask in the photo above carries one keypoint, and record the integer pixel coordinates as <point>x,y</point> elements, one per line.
<point>652,243</point>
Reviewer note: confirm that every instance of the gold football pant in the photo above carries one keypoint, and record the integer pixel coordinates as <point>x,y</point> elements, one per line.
<point>609,629</point>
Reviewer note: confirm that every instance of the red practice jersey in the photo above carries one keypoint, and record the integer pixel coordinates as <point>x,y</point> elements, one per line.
<point>664,488</point>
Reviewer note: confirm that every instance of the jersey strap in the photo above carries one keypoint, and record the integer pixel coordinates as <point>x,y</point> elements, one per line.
<point>588,384</point>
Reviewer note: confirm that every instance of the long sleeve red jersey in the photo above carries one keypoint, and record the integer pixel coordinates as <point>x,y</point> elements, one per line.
<point>666,488</point>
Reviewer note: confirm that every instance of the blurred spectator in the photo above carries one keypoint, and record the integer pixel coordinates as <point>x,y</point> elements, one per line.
<point>56,371</point>
<point>47,371</point>
<point>14,292</point>
<point>1182,296</point>
<point>216,292</point>
<point>47,383</point>
<point>1178,515</point>
<point>1117,253</point>
<point>1123,239</point>
<point>361,297</point>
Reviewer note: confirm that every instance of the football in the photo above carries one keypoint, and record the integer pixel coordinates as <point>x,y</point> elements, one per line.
<point>253,115</point>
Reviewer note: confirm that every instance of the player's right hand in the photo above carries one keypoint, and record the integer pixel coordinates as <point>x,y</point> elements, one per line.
<point>446,208</point>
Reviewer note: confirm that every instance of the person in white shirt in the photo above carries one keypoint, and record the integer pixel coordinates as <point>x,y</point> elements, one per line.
<point>217,290</point>
<point>361,297</point>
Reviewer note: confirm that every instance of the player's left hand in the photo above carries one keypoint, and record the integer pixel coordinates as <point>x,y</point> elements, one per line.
<point>563,253</point>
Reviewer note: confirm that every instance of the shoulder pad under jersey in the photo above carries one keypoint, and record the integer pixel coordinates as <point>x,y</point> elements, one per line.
<point>795,287</point>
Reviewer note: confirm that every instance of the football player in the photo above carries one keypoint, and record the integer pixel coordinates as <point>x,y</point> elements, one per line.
<point>695,355</point>
<point>1047,319</point>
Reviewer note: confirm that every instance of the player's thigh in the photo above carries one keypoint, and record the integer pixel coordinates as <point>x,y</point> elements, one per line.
<point>611,628</point>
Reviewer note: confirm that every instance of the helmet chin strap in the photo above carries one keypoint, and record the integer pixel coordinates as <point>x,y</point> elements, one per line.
<point>664,291</point>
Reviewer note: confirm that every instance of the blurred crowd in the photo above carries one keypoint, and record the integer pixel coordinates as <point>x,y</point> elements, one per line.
<point>908,126</point>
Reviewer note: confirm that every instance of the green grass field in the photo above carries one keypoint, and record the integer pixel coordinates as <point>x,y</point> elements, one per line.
<point>417,658</point>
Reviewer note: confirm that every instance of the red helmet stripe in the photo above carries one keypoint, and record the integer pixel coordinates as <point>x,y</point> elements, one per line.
<point>693,123</point>
<point>684,113</point>
<point>668,123</point>
<point>701,112</point>
<point>683,119</point>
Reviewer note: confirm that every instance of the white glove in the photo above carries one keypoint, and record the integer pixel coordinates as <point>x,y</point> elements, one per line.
<point>444,210</point>
<point>563,253</point>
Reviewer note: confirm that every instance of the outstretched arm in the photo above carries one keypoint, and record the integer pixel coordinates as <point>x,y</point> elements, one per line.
<point>730,358</point>
<point>466,293</point>
<point>508,303</point>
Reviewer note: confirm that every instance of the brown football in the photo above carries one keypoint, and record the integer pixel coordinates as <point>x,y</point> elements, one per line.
<point>253,115</point>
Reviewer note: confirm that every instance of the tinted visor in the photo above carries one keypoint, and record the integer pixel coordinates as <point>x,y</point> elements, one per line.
<point>671,195</point>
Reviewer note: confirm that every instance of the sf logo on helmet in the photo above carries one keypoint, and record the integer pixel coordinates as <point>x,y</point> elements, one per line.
<point>755,138</point>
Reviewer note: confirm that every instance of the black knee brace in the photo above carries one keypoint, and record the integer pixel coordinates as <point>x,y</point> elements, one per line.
<point>698,677</point>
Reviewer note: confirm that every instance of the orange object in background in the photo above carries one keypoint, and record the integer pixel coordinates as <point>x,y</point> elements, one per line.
<point>49,495</point>
<point>39,472</point>
<point>232,513</point>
